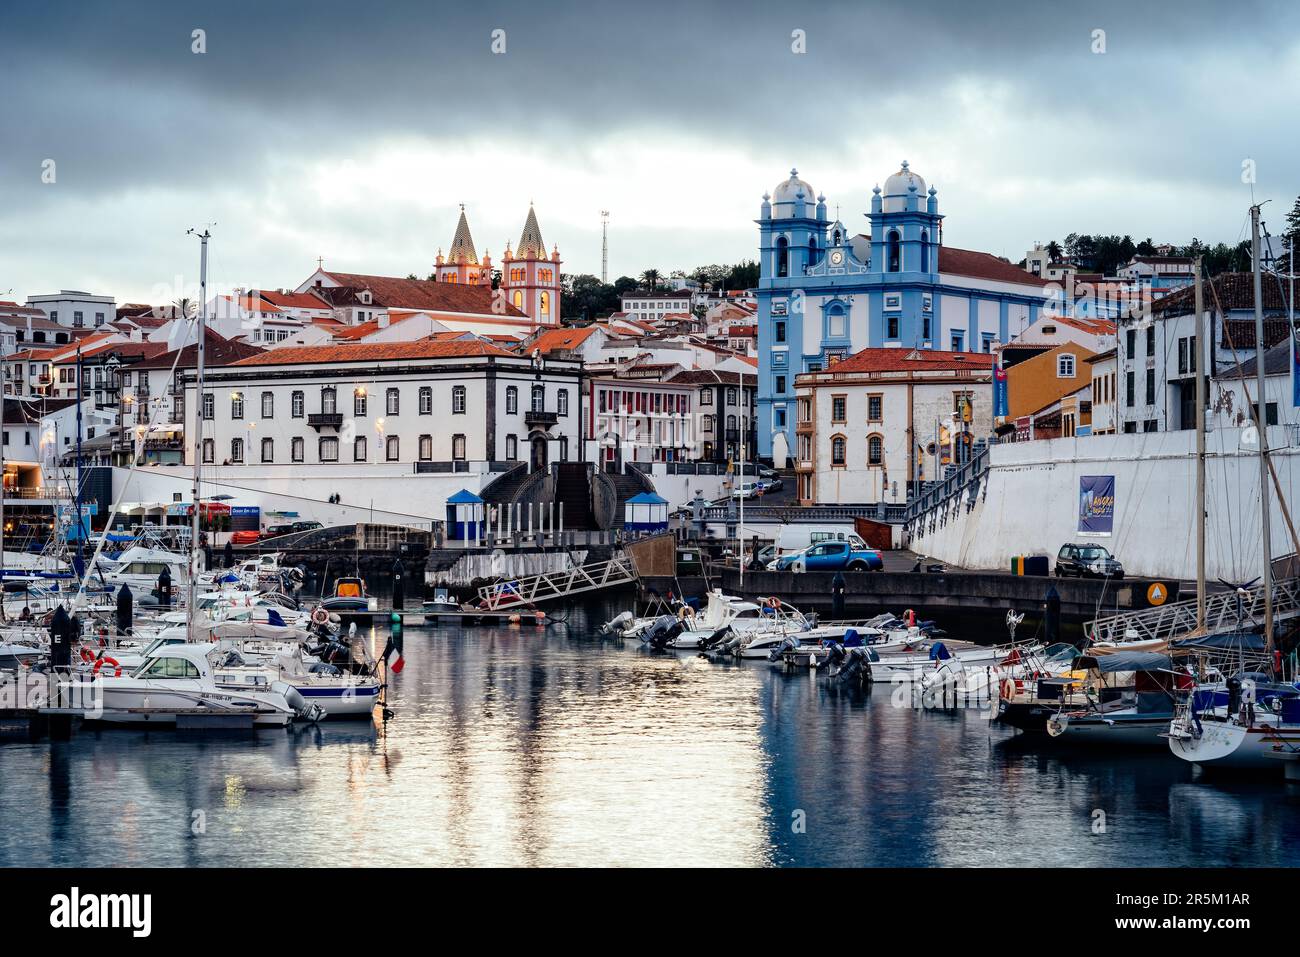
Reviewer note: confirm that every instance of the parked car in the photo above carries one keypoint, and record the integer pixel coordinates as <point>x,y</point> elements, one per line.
<point>773,484</point>
<point>247,537</point>
<point>274,530</point>
<point>306,526</point>
<point>1087,561</point>
<point>832,556</point>
<point>747,490</point>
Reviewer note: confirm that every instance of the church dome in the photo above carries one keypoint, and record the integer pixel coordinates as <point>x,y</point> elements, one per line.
<point>787,192</point>
<point>897,189</point>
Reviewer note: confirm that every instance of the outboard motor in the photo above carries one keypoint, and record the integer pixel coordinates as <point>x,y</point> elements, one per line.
<point>779,651</point>
<point>1234,695</point>
<point>305,711</point>
<point>835,657</point>
<point>855,666</point>
<point>664,630</point>
<point>617,625</point>
<point>716,637</point>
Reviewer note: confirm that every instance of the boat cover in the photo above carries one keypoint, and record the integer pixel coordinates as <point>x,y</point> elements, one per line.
<point>1229,641</point>
<point>1124,661</point>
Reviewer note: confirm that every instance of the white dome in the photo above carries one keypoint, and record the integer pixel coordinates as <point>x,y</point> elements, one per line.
<point>897,189</point>
<point>787,192</point>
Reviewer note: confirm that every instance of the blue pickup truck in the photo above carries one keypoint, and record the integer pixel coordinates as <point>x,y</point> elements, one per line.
<point>831,556</point>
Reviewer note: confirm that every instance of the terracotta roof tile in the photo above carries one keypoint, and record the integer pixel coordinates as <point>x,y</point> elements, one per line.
<point>908,360</point>
<point>375,352</point>
<point>422,294</point>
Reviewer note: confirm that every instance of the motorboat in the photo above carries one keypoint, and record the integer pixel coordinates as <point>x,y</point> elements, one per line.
<point>349,595</point>
<point>1129,699</point>
<point>139,568</point>
<point>20,654</point>
<point>442,602</point>
<point>176,685</point>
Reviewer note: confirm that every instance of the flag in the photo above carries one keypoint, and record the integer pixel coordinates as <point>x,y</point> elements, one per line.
<point>393,652</point>
<point>1000,399</point>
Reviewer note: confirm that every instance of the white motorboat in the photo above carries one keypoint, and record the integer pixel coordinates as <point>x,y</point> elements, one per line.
<point>1245,734</point>
<point>746,620</point>
<point>19,655</point>
<point>176,684</point>
<point>139,567</point>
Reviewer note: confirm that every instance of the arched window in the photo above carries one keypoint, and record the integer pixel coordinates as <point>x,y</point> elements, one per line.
<point>925,250</point>
<point>426,400</point>
<point>209,451</point>
<point>835,236</point>
<point>237,450</point>
<point>458,400</point>
<point>512,399</point>
<point>875,450</point>
<point>812,250</point>
<point>539,398</point>
<point>393,401</point>
<point>545,303</point>
<point>894,252</point>
<point>426,448</point>
<point>393,448</point>
<point>837,450</point>
<point>268,450</point>
<point>359,402</point>
<point>519,300</point>
<point>359,453</point>
<point>327,400</point>
<point>268,405</point>
<point>782,257</point>
<point>562,402</point>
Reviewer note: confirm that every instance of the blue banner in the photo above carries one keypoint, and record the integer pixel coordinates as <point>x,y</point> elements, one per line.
<point>1096,504</point>
<point>1000,401</point>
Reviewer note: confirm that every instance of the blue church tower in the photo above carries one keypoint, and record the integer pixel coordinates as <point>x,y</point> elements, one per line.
<point>826,292</point>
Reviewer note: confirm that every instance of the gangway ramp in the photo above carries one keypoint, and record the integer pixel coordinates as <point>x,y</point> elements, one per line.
<point>548,586</point>
<point>1179,618</point>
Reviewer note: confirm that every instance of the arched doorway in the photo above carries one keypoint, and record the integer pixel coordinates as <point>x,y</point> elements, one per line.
<point>538,457</point>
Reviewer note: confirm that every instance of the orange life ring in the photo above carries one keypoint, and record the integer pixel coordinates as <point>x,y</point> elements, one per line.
<point>117,668</point>
<point>1008,689</point>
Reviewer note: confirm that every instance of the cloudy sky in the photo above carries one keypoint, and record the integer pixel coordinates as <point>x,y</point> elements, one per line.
<point>352,131</point>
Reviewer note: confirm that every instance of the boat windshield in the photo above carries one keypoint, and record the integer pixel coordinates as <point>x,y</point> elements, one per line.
<point>348,590</point>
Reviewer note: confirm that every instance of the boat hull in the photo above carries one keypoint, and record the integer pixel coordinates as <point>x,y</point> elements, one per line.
<point>1229,745</point>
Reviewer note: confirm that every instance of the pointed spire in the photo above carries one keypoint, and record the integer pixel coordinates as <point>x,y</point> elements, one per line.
<point>462,243</point>
<point>530,241</point>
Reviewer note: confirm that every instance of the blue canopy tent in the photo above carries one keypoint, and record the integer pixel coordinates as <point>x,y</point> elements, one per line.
<point>465,516</point>
<point>646,512</point>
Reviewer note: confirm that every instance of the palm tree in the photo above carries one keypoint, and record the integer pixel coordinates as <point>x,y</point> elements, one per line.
<point>651,278</point>
<point>1054,251</point>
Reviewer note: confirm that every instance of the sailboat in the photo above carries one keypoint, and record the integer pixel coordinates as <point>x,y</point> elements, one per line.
<point>1247,725</point>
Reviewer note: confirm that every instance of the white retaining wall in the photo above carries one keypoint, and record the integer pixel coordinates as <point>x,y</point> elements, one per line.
<point>1030,505</point>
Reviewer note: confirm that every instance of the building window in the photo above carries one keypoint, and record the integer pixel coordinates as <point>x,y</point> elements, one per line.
<point>839,407</point>
<point>1151,387</point>
<point>706,396</point>
<point>875,450</point>
<point>1130,389</point>
<point>778,332</point>
<point>731,395</point>
<point>925,250</point>
<point>1065,366</point>
<point>782,258</point>
<point>458,447</point>
<point>562,402</point>
<point>329,405</point>
<point>891,327</point>
<point>268,450</point>
<point>958,342</point>
<point>359,451</point>
<point>426,448</point>
<point>539,398</point>
<point>209,405</point>
<point>512,400</point>
<point>458,400</point>
<point>1130,342</point>
<point>236,405</point>
<point>564,448</point>
<point>836,323</point>
<point>1151,340</point>
<point>329,448</point>
<point>512,448</point>
<point>780,385</point>
<point>1270,413</point>
<point>296,449</point>
<point>706,424</point>
<point>875,407</point>
<point>894,252</point>
<point>237,451</point>
<point>392,401</point>
<point>393,448</point>
<point>837,451</point>
<point>268,405</point>
<point>359,398</point>
<point>426,400</point>
<point>209,450</point>
<point>296,405</point>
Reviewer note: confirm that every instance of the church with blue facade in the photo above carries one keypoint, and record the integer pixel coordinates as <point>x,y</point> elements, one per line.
<point>826,291</point>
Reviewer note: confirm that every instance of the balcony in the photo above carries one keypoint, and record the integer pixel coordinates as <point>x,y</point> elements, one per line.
<point>539,418</point>
<point>323,420</point>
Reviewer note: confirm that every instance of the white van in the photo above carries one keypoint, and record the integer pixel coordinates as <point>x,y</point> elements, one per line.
<point>796,536</point>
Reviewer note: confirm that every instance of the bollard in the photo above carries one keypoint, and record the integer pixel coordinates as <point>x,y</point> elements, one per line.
<point>399,588</point>
<point>125,601</point>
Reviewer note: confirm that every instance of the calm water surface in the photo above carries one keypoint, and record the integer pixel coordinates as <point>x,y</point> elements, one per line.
<point>526,747</point>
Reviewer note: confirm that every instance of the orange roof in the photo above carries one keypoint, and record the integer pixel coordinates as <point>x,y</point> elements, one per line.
<point>422,294</point>
<point>293,300</point>
<point>374,352</point>
<point>908,360</point>
<point>556,340</point>
<point>977,265</point>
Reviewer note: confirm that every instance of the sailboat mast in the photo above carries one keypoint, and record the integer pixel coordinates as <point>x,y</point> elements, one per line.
<point>198,430</point>
<point>1198,367</point>
<point>1261,420</point>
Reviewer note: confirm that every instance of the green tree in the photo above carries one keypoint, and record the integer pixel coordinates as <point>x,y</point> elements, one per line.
<point>651,278</point>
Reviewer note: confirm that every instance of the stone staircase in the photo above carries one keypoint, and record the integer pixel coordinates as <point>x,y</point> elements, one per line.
<point>573,491</point>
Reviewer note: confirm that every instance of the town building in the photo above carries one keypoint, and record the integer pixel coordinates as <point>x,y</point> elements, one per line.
<point>872,427</point>
<point>76,310</point>
<point>826,292</point>
<point>395,408</point>
<point>653,305</point>
<point>1049,395</point>
<point>640,421</point>
<point>725,403</point>
<point>1104,391</point>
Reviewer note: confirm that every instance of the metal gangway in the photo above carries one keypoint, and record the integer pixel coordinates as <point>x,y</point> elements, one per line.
<point>524,592</point>
<point>1179,618</point>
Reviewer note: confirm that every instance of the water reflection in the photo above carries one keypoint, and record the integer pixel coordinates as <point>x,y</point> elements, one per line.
<point>526,747</point>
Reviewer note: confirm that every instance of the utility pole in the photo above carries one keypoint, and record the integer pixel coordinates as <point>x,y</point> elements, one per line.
<point>1198,366</point>
<point>1261,421</point>
<point>198,425</point>
<point>604,247</point>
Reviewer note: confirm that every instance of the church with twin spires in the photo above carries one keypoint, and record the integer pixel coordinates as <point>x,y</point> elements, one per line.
<point>530,278</point>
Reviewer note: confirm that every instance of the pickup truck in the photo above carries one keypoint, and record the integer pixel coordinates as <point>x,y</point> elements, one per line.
<point>832,556</point>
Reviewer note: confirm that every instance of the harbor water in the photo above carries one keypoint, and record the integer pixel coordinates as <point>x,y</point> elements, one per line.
<point>546,746</point>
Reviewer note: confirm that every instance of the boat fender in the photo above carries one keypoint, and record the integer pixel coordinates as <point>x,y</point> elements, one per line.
<point>86,656</point>
<point>117,669</point>
<point>911,618</point>
<point>685,612</point>
<point>320,616</point>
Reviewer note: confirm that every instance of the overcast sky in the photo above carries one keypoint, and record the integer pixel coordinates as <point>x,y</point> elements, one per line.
<point>352,131</point>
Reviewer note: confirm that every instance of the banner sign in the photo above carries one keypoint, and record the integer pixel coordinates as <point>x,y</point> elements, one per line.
<point>1096,504</point>
<point>1000,400</point>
